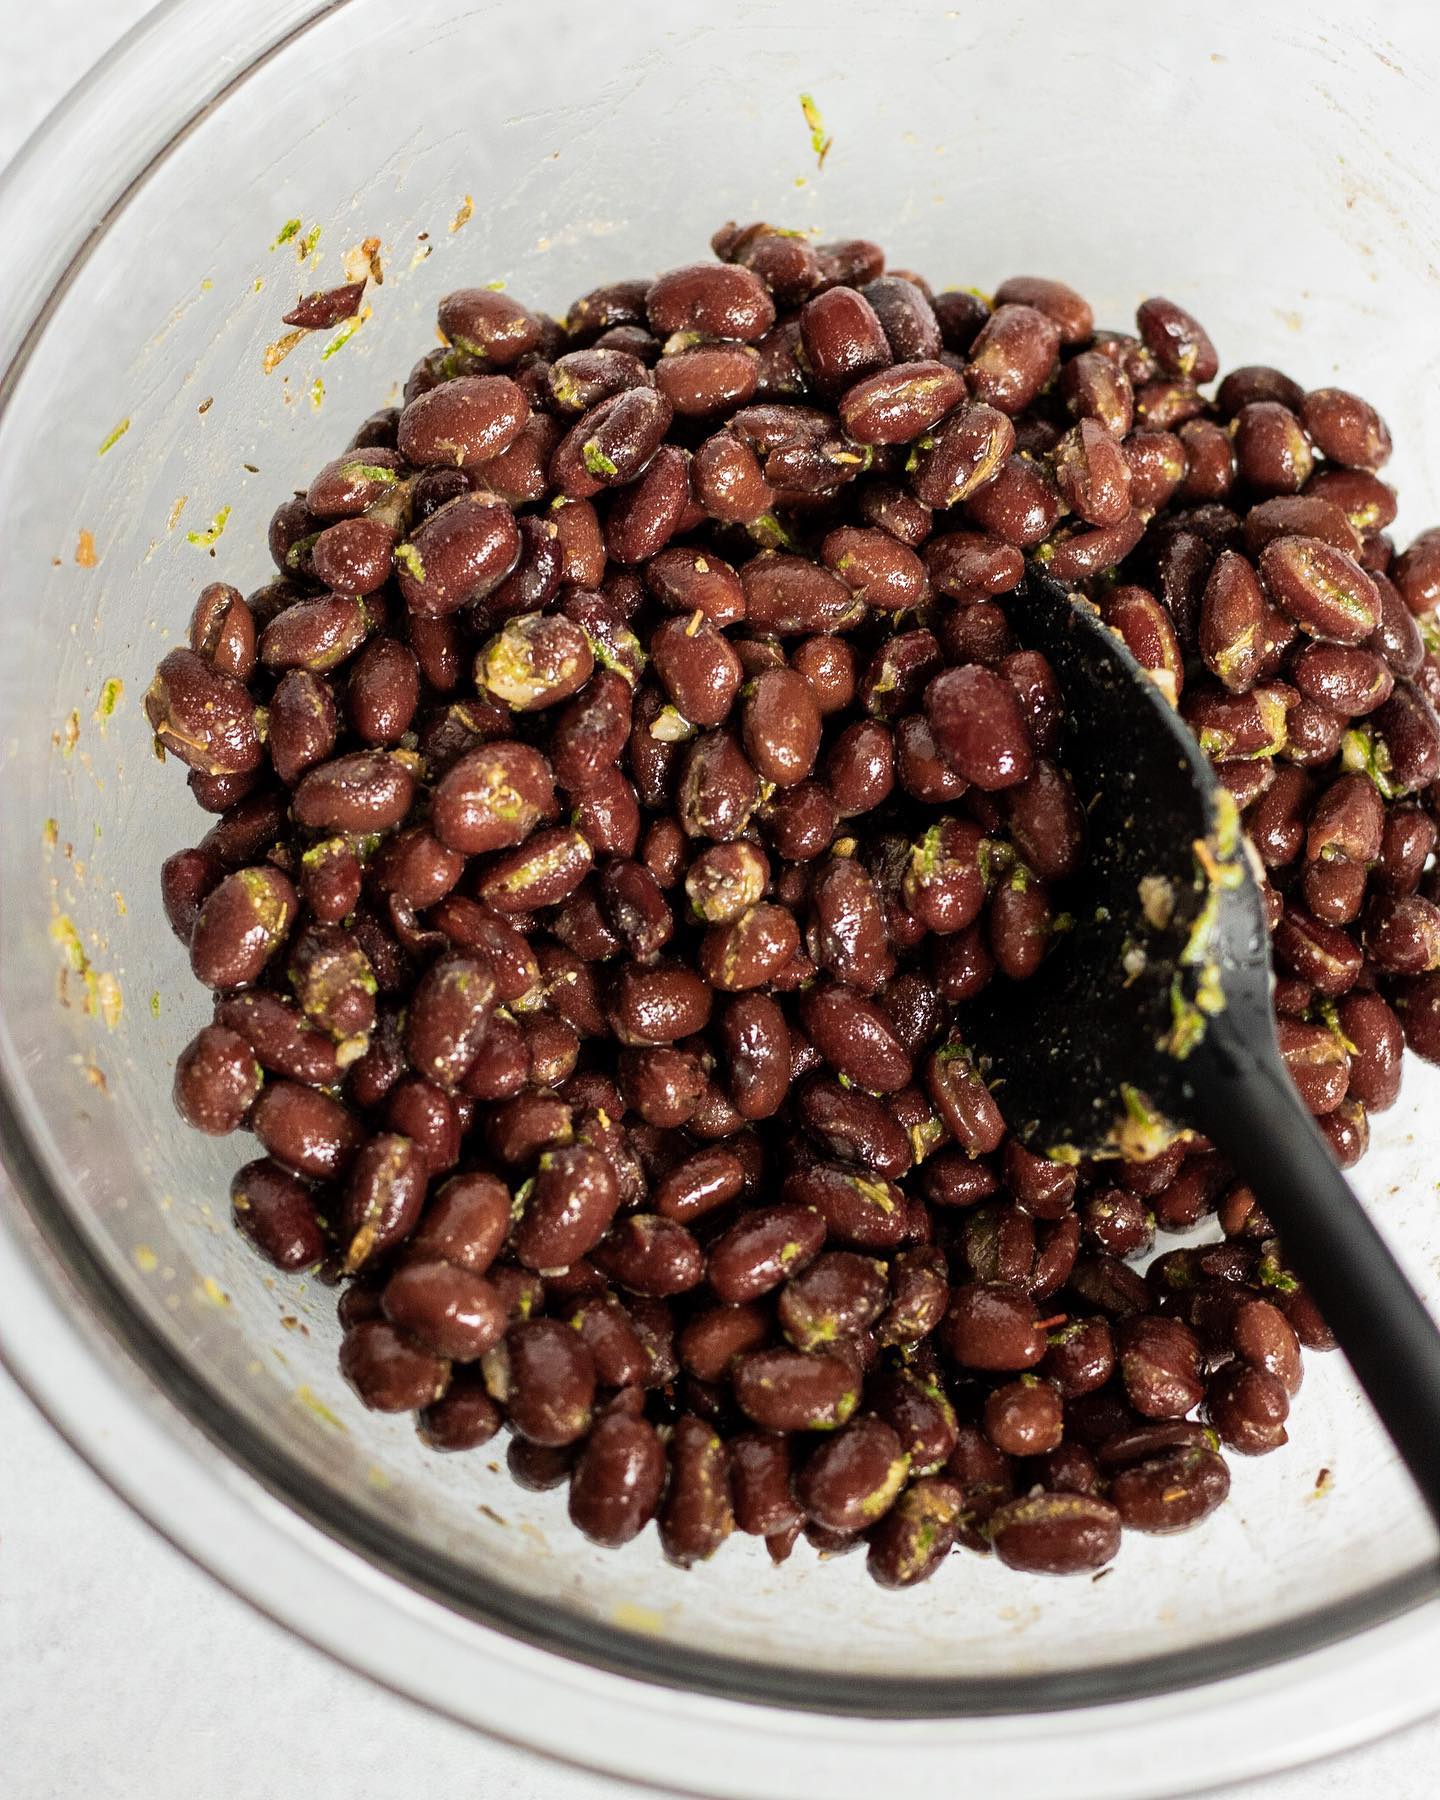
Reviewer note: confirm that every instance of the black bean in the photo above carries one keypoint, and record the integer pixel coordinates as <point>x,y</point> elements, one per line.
<point>916,1535</point>
<point>543,1374</point>
<point>572,1197</point>
<point>203,715</point>
<point>617,1480</point>
<point>464,1418</point>
<point>388,1371</point>
<point>787,1390</point>
<point>992,1325</point>
<point>695,1515</point>
<point>1170,1492</point>
<point>276,1210</point>
<point>241,924</point>
<point>853,1478</point>
<point>1055,1534</point>
<point>449,1310</point>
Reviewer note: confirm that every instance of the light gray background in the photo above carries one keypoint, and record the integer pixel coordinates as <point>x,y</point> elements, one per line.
<point>125,1673</point>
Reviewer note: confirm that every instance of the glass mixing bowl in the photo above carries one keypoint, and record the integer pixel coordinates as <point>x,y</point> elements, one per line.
<point>1275,175</point>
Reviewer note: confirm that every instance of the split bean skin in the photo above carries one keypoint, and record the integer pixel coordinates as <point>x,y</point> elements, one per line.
<point>618,799</point>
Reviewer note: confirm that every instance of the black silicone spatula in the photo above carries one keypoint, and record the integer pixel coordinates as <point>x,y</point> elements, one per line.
<point>1155,1008</point>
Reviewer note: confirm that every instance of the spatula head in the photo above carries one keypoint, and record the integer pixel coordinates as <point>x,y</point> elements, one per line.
<point>1089,1056</point>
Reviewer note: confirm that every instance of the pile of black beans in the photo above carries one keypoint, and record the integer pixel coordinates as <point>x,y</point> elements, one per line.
<point>624,785</point>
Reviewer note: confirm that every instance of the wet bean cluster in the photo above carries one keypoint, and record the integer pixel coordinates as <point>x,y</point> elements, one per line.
<point>623,786</point>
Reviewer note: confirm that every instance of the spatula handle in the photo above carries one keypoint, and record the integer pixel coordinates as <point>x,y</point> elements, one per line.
<point>1246,1105</point>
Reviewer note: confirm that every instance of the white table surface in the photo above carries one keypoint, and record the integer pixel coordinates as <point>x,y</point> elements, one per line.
<point>126,1673</point>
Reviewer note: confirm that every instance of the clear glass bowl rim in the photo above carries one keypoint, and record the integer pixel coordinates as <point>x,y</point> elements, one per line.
<point>132,98</point>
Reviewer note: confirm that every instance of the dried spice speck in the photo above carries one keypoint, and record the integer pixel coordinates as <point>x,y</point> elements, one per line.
<point>85,549</point>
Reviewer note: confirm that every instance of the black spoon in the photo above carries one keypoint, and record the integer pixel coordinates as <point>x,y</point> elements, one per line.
<point>1155,1009</point>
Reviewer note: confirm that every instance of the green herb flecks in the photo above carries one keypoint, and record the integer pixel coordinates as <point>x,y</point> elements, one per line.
<point>1269,1273</point>
<point>410,559</point>
<point>1187,1027</point>
<point>341,338</point>
<point>1330,1018</point>
<point>1363,753</point>
<point>820,139</point>
<point>769,533</point>
<point>212,533</point>
<point>566,390</point>
<point>595,459</point>
<point>363,471</point>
